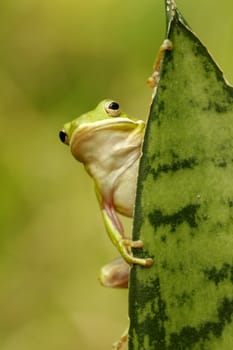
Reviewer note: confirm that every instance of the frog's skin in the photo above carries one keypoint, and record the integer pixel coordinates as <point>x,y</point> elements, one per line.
<point>108,142</point>
<point>115,274</point>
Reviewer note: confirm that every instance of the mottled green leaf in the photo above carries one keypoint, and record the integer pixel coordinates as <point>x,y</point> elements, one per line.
<point>184,205</point>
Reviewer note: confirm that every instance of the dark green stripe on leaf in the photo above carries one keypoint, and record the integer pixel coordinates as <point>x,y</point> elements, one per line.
<point>218,275</point>
<point>188,337</point>
<point>174,166</point>
<point>186,214</point>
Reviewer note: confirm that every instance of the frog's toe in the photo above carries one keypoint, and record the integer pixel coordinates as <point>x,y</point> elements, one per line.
<point>148,262</point>
<point>123,246</point>
<point>145,262</point>
<point>136,244</point>
<point>131,243</point>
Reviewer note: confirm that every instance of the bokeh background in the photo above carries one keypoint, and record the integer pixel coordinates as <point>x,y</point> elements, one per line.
<point>58,59</point>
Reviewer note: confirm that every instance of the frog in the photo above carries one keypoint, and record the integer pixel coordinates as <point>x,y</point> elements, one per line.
<point>109,144</point>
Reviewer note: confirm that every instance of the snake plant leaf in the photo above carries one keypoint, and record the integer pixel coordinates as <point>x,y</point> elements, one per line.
<point>184,205</point>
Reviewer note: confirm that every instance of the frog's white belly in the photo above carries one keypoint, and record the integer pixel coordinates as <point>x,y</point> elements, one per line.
<point>125,190</point>
<point>112,163</point>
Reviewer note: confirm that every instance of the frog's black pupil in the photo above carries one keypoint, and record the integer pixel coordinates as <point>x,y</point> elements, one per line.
<point>62,136</point>
<point>113,105</point>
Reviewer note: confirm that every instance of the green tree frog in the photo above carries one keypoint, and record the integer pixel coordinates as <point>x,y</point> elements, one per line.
<point>108,142</point>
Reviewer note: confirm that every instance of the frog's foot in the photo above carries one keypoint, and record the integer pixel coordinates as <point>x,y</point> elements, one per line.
<point>154,79</point>
<point>115,232</point>
<point>123,339</point>
<point>123,246</point>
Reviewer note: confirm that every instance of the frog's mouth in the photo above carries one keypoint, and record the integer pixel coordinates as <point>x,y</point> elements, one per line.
<point>123,124</point>
<point>89,128</point>
<point>86,130</point>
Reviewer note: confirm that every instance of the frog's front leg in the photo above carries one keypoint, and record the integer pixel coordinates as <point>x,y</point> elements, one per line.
<point>153,80</point>
<point>116,233</point>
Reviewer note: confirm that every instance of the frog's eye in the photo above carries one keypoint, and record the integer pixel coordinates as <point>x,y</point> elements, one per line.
<point>63,137</point>
<point>112,108</point>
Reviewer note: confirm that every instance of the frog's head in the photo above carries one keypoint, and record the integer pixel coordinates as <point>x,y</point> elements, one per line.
<point>105,114</point>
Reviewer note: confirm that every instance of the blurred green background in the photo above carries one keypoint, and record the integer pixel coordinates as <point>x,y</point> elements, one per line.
<point>58,59</point>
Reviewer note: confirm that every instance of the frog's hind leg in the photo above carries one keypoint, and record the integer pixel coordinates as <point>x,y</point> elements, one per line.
<point>115,274</point>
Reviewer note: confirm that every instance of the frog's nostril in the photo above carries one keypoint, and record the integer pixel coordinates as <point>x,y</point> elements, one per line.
<point>62,135</point>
